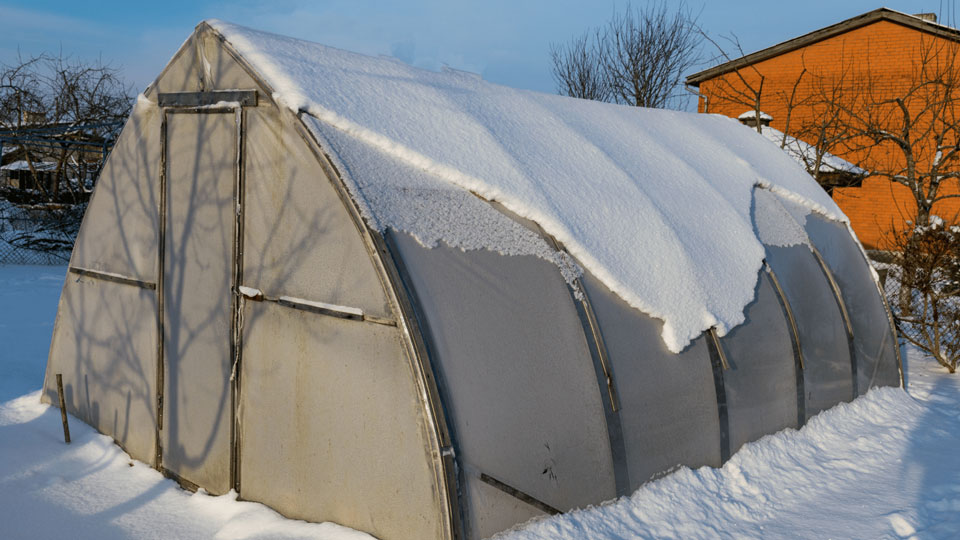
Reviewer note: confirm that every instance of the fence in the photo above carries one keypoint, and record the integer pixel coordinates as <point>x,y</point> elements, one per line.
<point>925,303</point>
<point>38,233</point>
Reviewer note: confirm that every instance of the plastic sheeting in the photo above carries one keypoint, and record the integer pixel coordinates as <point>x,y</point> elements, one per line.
<point>298,238</point>
<point>201,174</point>
<point>874,342</point>
<point>828,375</point>
<point>517,377</point>
<point>761,384</point>
<point>332,429</point>
<point>105,339</point>
<point>119,231</point>
<point>668,402</point>
<point>105,345</point>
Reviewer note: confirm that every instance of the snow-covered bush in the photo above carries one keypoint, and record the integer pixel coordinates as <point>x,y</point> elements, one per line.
<point>923,290</point>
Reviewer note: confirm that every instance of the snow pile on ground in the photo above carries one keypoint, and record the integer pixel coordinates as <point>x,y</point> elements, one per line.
<point>655,203</point>
<point>92,489</point>
<point>881,467</point>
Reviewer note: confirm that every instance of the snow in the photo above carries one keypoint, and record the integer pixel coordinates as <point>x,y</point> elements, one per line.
<point>250,292</point>
<point>656,204</point>
<point>806,154</point>
<point>23,165</point>
<point>431,210</point>
<point>752,114</point>
<point>28,306</point>
<point>880,467</point>
<point>357,312</point>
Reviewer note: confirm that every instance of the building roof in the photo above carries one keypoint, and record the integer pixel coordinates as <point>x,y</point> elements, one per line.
<point>752,115</point>
<point>881,14</point>
<point>22,165</point>
<point>624,189</point>
<point>806,154</point>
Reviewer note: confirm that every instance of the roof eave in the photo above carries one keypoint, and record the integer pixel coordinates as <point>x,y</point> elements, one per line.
<point>881,14</point>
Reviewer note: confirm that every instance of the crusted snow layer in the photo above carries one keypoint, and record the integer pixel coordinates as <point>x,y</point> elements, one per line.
<point>775,224</point>
<point>429,209</point>
<point>657,204</point>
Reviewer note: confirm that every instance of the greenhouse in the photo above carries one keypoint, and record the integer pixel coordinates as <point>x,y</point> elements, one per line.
<point>422,305</point>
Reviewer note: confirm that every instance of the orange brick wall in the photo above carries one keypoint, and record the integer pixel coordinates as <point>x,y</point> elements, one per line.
<point>883,57</point>
<point>880,206</point>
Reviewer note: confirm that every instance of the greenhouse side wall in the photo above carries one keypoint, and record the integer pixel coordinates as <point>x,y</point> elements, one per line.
<point>874,340</point>
<point>761,382</point>
<point>668,402</point>
<point>331,425</point>
<point>105,338</point>
<point>518,382</point>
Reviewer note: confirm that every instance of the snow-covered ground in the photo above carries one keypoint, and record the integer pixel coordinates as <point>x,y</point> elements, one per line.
<point>881,467</point>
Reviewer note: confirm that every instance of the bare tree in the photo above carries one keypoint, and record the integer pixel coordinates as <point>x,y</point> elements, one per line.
<point>910,131</point>
<point>578,68</point>
<point>57,109</point>
<point>638,58</point>
<point>745,86</point>
<point>20,91</point>
<point>823,122</point>
<point>907,130</point>
<point>811,104</point>
<point>85,92</point>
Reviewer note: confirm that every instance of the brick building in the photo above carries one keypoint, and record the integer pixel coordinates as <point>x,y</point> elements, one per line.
<point>803,82</point>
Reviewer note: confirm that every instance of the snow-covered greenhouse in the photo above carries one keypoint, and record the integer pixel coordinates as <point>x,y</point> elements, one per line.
<point>426,306</point>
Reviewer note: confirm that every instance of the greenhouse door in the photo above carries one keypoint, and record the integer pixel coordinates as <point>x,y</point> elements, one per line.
<point>198,253</point>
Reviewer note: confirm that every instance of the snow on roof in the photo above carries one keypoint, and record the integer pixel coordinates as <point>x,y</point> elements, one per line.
<point>655,203</point>
<point>806,154</point>
<point>22,165</point>
<point>752,114</point>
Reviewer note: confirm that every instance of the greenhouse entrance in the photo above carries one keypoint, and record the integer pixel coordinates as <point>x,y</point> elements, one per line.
<point>198,252</point>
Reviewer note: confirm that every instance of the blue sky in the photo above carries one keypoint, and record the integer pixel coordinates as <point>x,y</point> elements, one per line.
<point>506,41</point>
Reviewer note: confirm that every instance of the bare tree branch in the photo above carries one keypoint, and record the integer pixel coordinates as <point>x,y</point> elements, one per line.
<point>638,58</point>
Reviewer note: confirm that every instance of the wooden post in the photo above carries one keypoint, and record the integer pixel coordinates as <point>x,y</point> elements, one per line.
<point>63,409</point>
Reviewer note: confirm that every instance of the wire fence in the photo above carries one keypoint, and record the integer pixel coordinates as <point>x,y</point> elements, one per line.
<point>40,234</point>
<point>925,303</point>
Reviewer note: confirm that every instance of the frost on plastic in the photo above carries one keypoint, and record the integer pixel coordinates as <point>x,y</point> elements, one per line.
<point>656,204</point>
